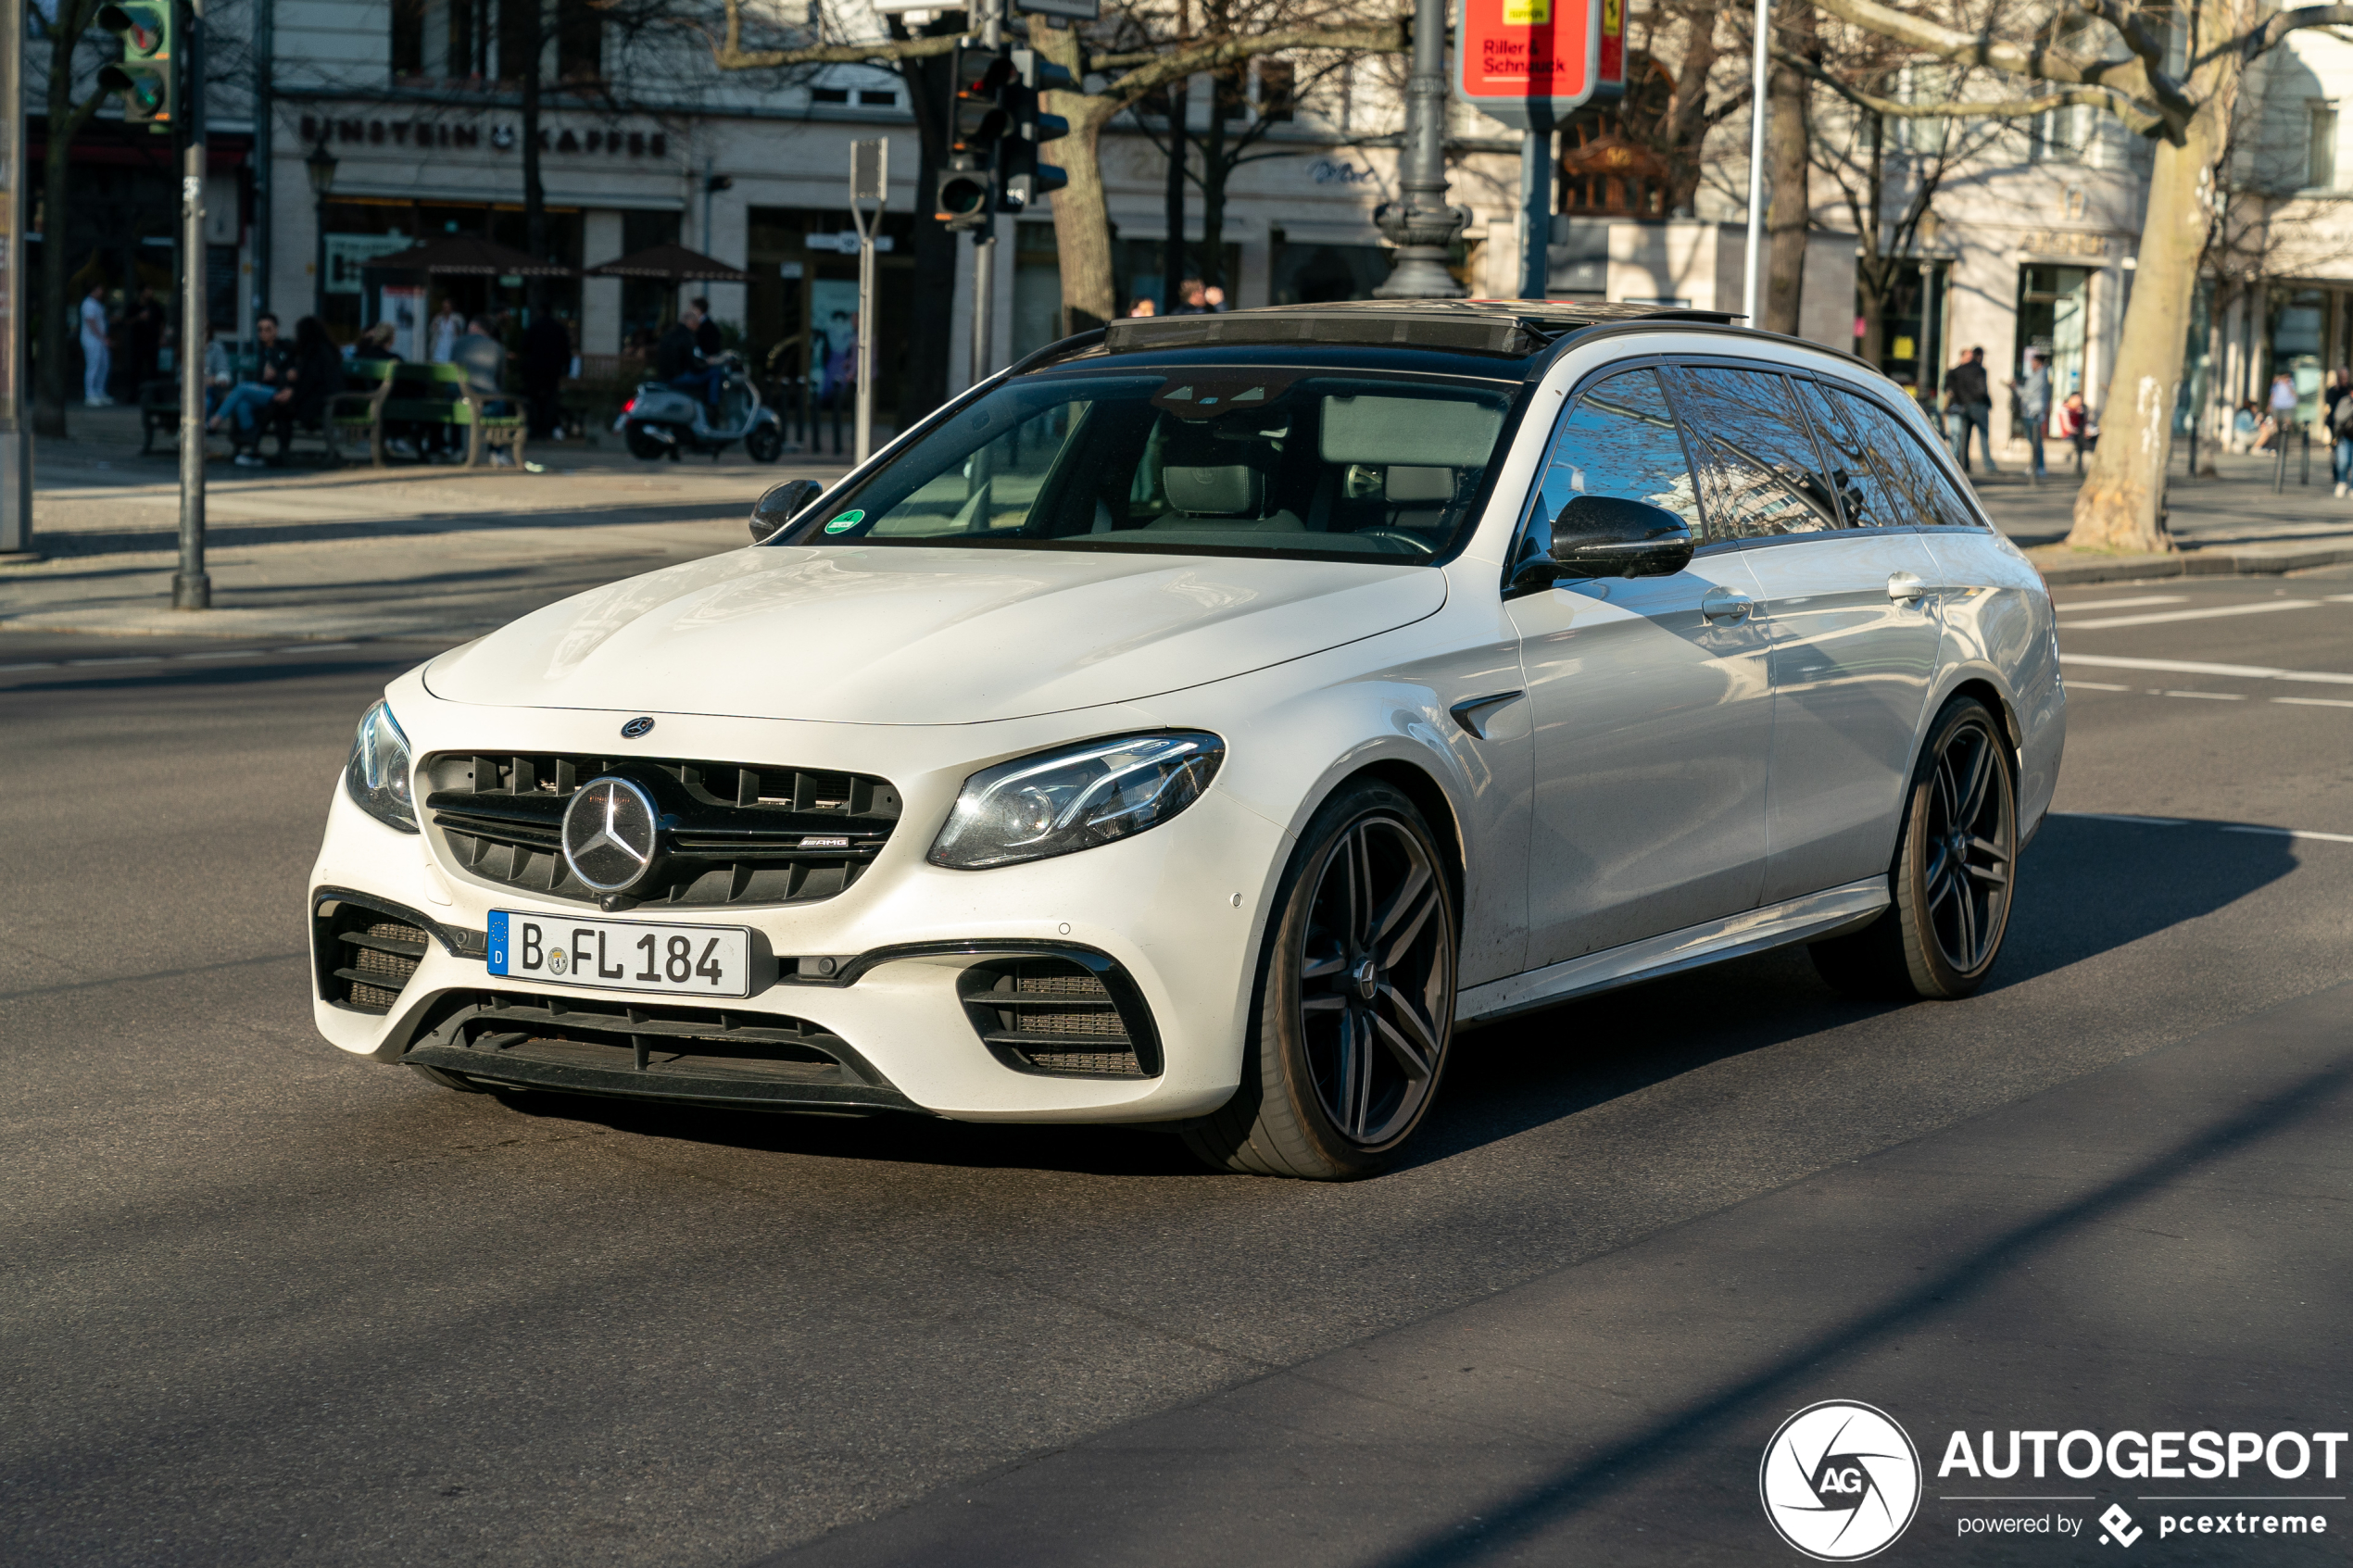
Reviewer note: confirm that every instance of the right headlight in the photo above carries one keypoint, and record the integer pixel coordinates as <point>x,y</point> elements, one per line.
<point>377,774</point>
<point>1075,797</point>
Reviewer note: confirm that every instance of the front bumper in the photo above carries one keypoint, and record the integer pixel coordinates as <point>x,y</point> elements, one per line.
<point>862,1001</point>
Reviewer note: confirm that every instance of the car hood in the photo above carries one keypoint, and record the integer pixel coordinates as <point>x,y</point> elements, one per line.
<point>895,636</point>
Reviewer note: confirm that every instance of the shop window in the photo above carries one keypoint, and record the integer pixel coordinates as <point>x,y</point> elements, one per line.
<point>1321,274</point>
<point>580,41</point>
<point>2320,148</point>
<point>2053,310</point>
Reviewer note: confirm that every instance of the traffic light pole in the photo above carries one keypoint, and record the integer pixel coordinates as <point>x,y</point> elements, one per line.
<point>869,181</point>
<point>991,14</point>
<point>16,430</point>
<point>192,585</point>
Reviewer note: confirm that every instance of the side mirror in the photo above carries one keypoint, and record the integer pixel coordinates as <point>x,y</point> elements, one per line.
<point>1609,536</point>
<point>781,505</point>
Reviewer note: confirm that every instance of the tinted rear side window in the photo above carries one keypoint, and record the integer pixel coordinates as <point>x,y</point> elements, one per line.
<point>1921,485</point>
<point>1759,473</point>
<point>1863,495</point>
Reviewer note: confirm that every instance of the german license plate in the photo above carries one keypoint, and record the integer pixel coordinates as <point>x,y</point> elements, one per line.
<point>622,955</point>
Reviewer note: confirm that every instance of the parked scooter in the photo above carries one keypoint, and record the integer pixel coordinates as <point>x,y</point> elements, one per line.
<point>662,421</point>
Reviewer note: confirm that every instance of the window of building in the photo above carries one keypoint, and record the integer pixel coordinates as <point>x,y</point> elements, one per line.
<point>408,38</point>
<point>2320,148</point>
<point>1606,168</point>
<point>580,41</point>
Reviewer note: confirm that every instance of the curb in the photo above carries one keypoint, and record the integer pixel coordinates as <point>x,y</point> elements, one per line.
<point>2194,563</point>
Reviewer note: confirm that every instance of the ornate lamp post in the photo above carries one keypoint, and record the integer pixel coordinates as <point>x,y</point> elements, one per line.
<point>320,164</point>
<point>1419,223</point>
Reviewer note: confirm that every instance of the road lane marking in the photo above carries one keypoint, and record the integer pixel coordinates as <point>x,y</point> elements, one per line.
<point>2315,701</point>
<point>2297,833</point>
<point>2185,821</point>
<point>141,658</point>
<point>2159,618</point>
<point>2139,603</point>
<point>2188,667</point>
<point>240,653</point>
<point>47,665</point>
<point>2099,686</point>
<point>2210,697</point>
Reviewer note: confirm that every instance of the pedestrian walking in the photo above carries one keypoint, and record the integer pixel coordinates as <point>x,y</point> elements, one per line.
<point>2339,418</point>
<point>1969,406</point>
<point>547,355</point>
<point>2034,407</point>
<point>95,359</point>
<point>448,328</point>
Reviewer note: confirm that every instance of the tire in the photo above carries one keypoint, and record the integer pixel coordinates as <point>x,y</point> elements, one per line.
<point>1953,879</point>
<point>1355,999</point>
<point>764,444</point>
<point>644,445</point>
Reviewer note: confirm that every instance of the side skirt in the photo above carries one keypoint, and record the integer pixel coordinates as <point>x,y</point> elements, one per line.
<point>1815,916</point>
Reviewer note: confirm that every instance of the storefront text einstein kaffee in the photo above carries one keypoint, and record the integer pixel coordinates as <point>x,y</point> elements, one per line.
<point>435,130</point>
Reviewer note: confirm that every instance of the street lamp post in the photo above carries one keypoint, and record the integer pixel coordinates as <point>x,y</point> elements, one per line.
<point>1419,223</point>
<point>192,584</point>
<point>1755,163</point>
<point>321,166</point>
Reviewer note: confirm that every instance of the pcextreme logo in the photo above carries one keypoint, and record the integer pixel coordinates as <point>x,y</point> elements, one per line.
<point>1840,1481</point>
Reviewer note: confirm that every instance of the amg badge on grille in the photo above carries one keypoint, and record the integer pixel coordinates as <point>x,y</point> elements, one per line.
<point>608,834</point>
<point>637,727</point>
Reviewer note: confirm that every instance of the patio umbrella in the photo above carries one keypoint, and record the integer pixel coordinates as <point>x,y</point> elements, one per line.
<point>671,263</point>
<point>469,255</point>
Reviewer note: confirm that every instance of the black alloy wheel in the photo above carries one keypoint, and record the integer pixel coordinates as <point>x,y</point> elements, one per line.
<point>1955,875</point>
<point>1356,998</point>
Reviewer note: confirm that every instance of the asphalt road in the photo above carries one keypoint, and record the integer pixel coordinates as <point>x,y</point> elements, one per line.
<point>262,1304</point>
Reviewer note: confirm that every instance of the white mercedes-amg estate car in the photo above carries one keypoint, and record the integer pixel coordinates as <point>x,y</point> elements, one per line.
<point>1200,724</point>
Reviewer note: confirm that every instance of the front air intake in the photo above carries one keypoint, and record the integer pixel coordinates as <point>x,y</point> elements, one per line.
<point>1079,1016</point>
<point>365,956</point>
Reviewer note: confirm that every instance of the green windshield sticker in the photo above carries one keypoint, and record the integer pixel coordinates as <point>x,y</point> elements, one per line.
<point>845,522</point>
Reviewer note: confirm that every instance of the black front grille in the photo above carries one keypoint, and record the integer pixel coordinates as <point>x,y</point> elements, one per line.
<point>367,957</point>
<point>1062,1017</point>
<point>732,832</point>
<point>647,1051</point>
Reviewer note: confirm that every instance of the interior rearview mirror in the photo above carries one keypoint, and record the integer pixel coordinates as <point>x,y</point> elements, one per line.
<point>781,505</point>
<point>1609,536</point>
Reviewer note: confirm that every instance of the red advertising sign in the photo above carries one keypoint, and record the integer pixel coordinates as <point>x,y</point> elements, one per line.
<point>1531,63</point>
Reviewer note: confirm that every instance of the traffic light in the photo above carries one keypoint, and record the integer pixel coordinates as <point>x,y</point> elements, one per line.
<point>144,74</point>
<point>976,124</point>
<point>1024,180</point>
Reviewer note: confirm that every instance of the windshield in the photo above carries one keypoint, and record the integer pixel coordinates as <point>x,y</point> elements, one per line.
<point>1223,459</point>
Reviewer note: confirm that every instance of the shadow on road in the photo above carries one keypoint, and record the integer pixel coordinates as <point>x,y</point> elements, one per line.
<point>2088,886</point>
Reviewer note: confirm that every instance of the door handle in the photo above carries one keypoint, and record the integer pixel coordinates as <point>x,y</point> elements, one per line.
<point>1726,604</point>
<point>1907,588</point>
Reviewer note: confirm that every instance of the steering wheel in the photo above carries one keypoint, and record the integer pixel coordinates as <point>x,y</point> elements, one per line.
<point>1411,544</point>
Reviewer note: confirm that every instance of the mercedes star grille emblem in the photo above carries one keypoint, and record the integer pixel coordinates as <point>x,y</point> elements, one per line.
<point>608,834</point>
<point>637,727</point>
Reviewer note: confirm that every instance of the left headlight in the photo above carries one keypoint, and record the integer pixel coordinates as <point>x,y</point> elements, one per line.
<point>1059,802</point>
<point>377,774</point>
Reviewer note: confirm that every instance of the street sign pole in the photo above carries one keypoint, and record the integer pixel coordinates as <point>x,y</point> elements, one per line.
<point>15,429</point>
<point>1535,213</point>
<point>192,585</point>
<point>1755,165</point>
<point>1532,64</point>
<point>869,181</point>
<point>991,14</point>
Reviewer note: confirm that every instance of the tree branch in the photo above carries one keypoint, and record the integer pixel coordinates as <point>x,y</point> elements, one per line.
<point>2274,31</point>
<point>2128,78</point>
<point>2143,120</point>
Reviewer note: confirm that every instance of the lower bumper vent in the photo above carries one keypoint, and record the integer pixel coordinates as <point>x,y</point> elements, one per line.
<point>1067,1017</point>
<point>648,1053</point>
<point>368,958</point>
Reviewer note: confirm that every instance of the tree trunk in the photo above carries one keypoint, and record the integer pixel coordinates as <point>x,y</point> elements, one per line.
<point>1214,168</point>
<point>66,120</point>
<point>534,188</point>
<point>1082,222</point>
<point>2121,505</point>
<point>924,384</point>
<point>1172,266</point>
<point>1788,164</point>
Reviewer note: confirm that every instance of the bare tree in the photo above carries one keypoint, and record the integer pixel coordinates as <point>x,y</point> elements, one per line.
<point>2187,111</point>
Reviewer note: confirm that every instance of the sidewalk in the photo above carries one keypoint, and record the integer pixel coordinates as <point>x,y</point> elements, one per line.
<point>440,552</point>
<point>2229,525</point>
<point>362,552</point>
